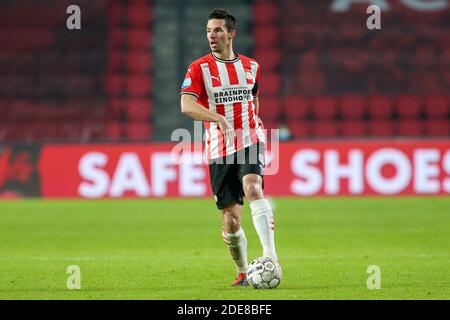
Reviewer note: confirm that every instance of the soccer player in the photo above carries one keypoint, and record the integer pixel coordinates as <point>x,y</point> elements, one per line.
<point>221,89</point>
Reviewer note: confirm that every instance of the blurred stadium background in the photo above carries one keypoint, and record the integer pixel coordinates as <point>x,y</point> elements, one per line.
<point>89,114</point>
<point>324,74</point>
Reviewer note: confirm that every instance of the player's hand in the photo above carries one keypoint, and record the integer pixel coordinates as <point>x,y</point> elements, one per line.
<point>259,120</point>
<point>226,128</point>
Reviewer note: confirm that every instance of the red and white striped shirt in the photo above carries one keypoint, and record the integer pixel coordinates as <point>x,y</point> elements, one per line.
<point>226,87</point>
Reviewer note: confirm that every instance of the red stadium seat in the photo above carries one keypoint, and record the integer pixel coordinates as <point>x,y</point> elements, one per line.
<point>139,15</point>
<point>437,128</point>
<point>299,128</point>
<point>408,107</point>
<point>138,85</point>
<point>138,131</point>
<point>324,108</point>
<point>82,109</point>
<point>265,13</point>
<point>31,14</point>
<point>437,107</point>
<point>352,107</point>
<point>115,107</point>
<point>5,109</point>
<point>114,84</point>
<point>25,40</point>
<point>344,65</point>
<point>116,38</point>
<point>139,39</point>
<point>138,61</point>
<point>381,128</point>
<point>115,14</point>
<point>138,110</point>
<point>350,33</point>
<point>426,82</point>
<point>270,124</point>
<point>93,130</point>
<point>47,131</point>
<point>270,83</point>
<point>410,128</point>
<point>114,130</point>
<point>354,128</point>
<point>380,107</point>
<point>55,86</point>
<point>22,110</point>
<point>72,131</point>
<point>324,129</point>
<point>296,107</point>
<point>115,59</point>
<point>270,108</point>
<point>266,37</point>
<point>310,79</point>
<point>270,59</point>
<point>21,131</point>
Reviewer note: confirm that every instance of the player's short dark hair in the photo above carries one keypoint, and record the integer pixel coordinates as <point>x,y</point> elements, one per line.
<point>230,20</point>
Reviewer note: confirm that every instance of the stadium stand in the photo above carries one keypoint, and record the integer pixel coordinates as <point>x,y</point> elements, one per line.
<point>347,81</point>
<point>63,85</point>
<point>129,71</point>
<point>51,77</point>
<point>323,73</point>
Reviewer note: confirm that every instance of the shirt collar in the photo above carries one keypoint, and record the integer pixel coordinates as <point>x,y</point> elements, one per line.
<point>224,60</point>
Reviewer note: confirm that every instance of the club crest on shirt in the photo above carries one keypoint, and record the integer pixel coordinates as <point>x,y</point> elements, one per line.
<point>249,76</point>
<point>186,83</point>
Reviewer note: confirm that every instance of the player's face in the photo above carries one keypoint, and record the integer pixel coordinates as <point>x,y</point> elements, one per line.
<point>218,36</point>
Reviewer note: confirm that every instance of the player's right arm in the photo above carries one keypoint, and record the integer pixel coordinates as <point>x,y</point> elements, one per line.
<point>191,108</point>
<point>191,90</point>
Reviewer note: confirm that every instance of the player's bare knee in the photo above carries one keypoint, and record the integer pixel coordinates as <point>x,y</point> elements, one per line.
<point>233,226</point>
<point>253,191</point>
<point>231,223</point>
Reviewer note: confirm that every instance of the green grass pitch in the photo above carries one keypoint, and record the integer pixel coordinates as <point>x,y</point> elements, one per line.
<point>172,249</point>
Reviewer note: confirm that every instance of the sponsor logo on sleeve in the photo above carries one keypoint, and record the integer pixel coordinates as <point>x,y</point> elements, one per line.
<point>186,83</point>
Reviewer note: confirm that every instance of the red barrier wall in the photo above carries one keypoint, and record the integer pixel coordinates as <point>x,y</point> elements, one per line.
<point>305,169</point>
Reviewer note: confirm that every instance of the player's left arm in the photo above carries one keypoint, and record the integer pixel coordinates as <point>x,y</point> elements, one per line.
<point>256,104</point>
<point>255,91</point>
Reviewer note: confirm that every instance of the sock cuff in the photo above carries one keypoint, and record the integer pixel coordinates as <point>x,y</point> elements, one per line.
<point>236,234</point>
<point>260,206</point>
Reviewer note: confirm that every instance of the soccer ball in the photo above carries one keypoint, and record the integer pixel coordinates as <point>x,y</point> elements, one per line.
<point>263,273</point>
